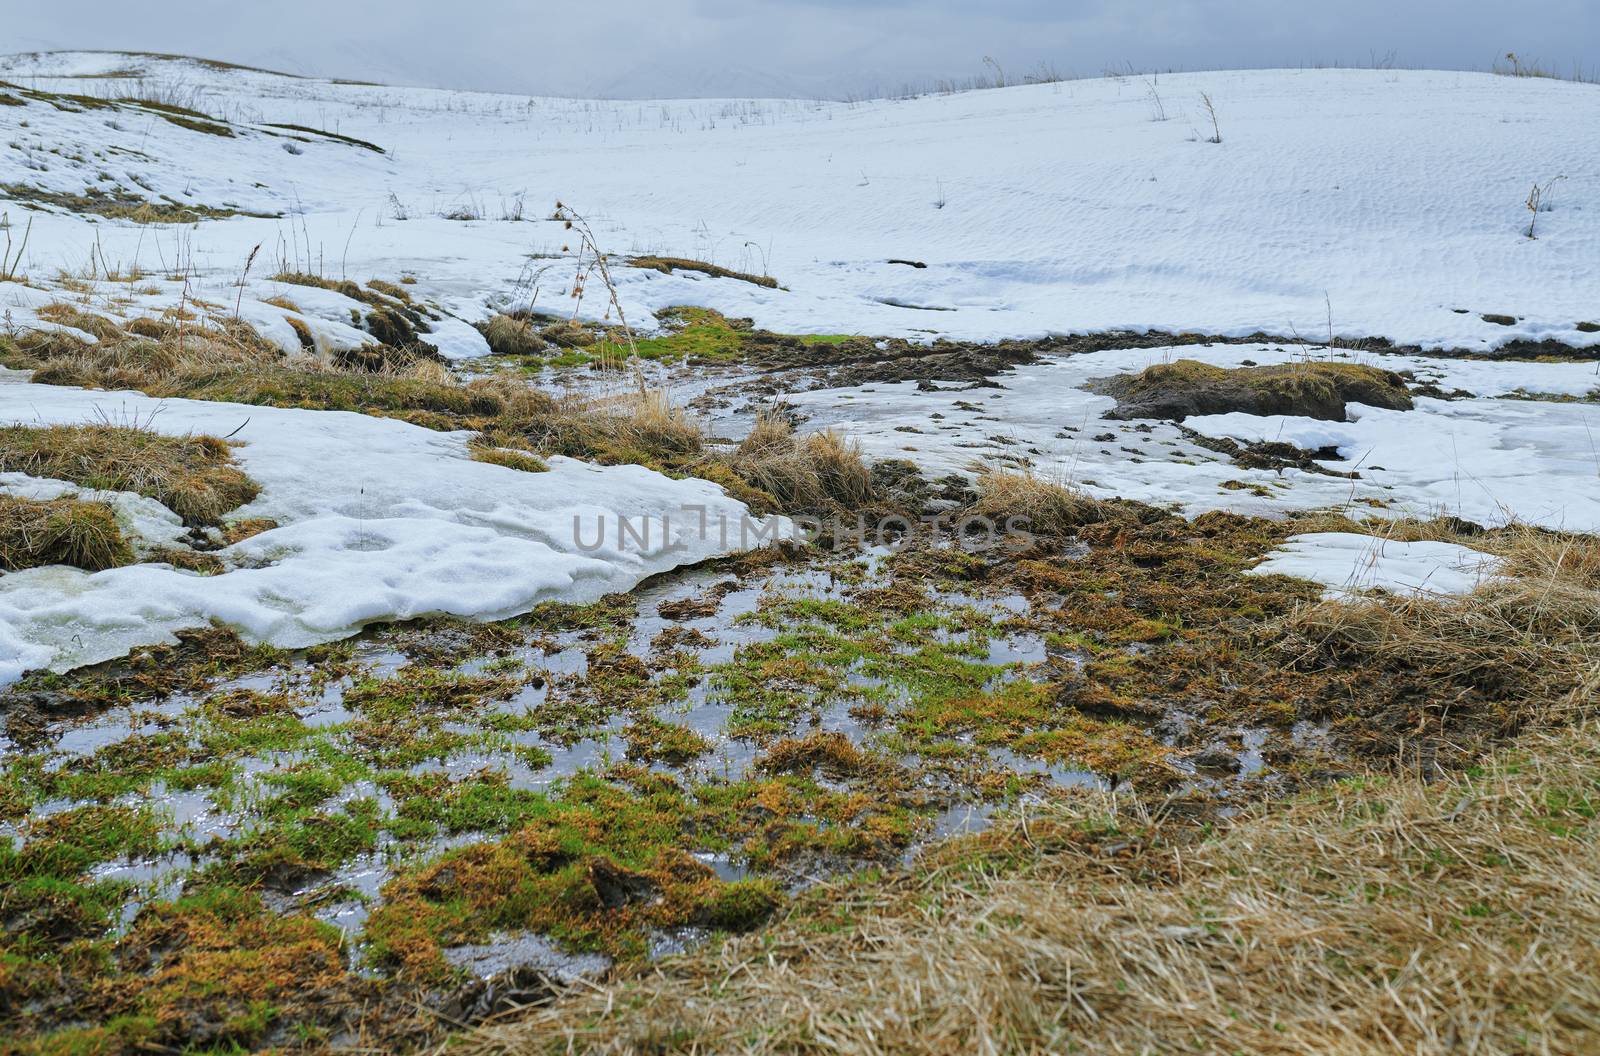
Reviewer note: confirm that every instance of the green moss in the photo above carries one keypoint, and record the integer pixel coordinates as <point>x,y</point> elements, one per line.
<point>484,803</point>
<point>651,740</point>
<point>64,845</point>
<point>695,335</point>
<point>743,905</point>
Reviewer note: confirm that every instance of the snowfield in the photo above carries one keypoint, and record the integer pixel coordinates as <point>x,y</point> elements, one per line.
<point>1380,203</point>
<point>1349,204</point>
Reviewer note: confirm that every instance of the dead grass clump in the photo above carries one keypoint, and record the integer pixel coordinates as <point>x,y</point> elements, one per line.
<point>512,337</point>
<point>831,752</point>
<point>384,358</point>
<point>431,371</point>
<point>350,289</point>
<point>148,358</point>
<point>1311,389</point>
<point>1035,504</point>
<point>60,532</point>
<point>145,326</point>
<point>667,265</point>
<point>118,204</point>
<point>1376,916</point>
<point>390,289</point>
<point>568,334</point>
<point>302,333</point>
<point>71,315</point>
<point>232,363</point>
<point>816,472</point>
<point>240,530</point>
<point>194,476</point>
<point>508,457</point>
<point>1523,648</point>
<point>643,428</point>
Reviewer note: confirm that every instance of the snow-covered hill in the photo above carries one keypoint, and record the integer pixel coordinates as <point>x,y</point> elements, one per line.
<point>1377,203</point>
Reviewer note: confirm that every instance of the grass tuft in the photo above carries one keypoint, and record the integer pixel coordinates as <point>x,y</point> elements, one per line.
<point>667,265</point>
<point>512,337</point>
<point>194,476</point>
<point>1037,505</point>
<point>816,472</point>
<point>1311,389</point>
<point>60,532</point>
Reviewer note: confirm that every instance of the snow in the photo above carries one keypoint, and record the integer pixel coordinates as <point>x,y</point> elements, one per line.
<point>1349,564</point>
<point>1371,203</point>
<point>1486,460</point>
<point>379,520</point>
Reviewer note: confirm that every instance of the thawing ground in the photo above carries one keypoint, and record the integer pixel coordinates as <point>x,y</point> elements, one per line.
<point>408,732</point>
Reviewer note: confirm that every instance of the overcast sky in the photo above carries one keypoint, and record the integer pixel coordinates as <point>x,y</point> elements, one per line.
<point>802,47</point>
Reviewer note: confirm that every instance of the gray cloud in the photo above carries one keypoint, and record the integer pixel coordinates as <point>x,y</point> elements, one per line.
<point>807,47</point>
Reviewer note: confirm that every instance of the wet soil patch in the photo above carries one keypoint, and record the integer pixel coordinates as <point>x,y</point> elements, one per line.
<point>463,816</point>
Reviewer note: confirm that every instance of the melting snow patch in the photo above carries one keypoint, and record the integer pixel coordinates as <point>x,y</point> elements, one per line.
<point>379,520</point>
<point>1348,564</point>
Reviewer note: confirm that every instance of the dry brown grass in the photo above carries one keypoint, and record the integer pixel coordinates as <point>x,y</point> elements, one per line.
<point>1527,642</point>
<point>194,476</point>
<point>642,428</point>
<point>810,473</point>
<point>1039,506</point>
<point>71,315</point>
<point>60,532</point>
<point>1315,388</point>
<point>667,265</point>
<point>508,336</point>
<point>1373,917</point>
<point>508,457</point>
<point>774,468</point>
<point>147,355</point>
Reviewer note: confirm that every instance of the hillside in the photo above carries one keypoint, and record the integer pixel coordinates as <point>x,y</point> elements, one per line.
<point>1103,565</point>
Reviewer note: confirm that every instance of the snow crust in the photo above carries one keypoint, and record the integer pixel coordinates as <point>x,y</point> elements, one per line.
<point>1349,564</point>
<point>379,520</point>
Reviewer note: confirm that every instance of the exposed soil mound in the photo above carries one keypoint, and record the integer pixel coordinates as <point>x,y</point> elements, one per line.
<point>1175,391</point>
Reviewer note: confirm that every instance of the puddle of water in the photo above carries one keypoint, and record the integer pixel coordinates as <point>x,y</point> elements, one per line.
<point>725,867</point>
<point>504,952</point>
<point>673,941</point>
